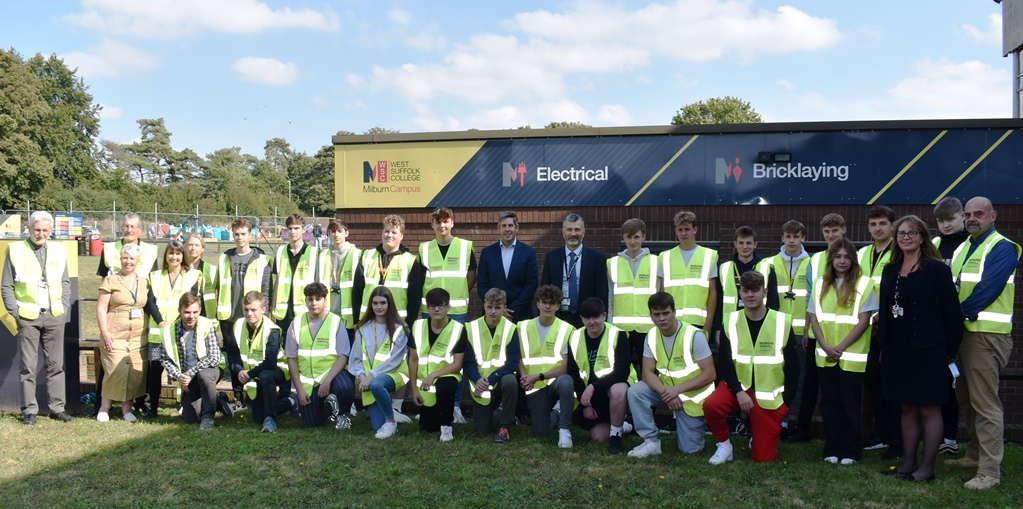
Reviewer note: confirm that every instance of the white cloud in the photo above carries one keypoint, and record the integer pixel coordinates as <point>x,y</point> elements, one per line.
<point>165,19</point>
<point>110,59</point>
<point>266,71</point>
<point>399,16</point>
<point>614,114</point>
<point>785,84</point>
<point>946,89</point>
<point>992,36</point>
<point>108,112</point>
<point>318,101</point>
<point>426,42</point>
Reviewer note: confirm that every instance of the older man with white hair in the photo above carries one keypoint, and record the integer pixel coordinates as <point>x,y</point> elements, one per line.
<point>37,292</point>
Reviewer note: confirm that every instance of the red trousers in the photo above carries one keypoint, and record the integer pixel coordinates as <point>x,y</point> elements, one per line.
<point>766,424</point>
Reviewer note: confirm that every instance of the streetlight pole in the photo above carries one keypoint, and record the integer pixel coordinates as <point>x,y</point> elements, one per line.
<point>289,190</point>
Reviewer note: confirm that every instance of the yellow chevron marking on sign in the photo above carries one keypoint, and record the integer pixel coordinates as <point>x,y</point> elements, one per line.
<point>665,167</point>
<point>907,167</point>
<point>972,166</point>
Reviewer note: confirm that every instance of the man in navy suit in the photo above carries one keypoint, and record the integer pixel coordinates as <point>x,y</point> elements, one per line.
<point>510,265</point>
<point>581,272</point>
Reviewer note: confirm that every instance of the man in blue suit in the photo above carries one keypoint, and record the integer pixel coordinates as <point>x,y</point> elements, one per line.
<point>579,271</point>
<point>510,265</point>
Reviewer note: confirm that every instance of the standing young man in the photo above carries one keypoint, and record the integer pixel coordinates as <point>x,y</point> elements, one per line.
<point>317,348</point>
<point>37,293</point>
<point>435,351</point>
<point>948,213</point>
<point>295,267</point>
<point>632,279</point>
<point>512,266</point>
<point>448,263</point>
<point>752,369</point>
<point>689,274</point>
<point>579,271</point>
<point>491,357</point>
<point>543,342</point>
<point>337,267</point>
<point>678,372</point>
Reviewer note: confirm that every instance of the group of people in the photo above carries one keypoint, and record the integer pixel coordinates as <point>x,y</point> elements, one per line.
<point>312,330</point>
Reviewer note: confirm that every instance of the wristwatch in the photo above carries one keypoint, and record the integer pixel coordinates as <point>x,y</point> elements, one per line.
<point>541,376</point>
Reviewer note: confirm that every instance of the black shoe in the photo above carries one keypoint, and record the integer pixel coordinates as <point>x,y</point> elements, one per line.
<point>29,420</point>
<point>796,436</point>
<point>61,416</point>
<point>874,443</point>
<point>892,453</point>
<point>615,446</point>
<point>150,415</point>
<point>224,407</point>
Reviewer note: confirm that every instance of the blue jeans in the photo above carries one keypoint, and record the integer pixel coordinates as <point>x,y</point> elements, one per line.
<point>642,400</point>
<point>380,411</point>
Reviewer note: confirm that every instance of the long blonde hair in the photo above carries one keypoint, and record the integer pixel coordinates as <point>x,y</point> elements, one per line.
<point>847,293</point>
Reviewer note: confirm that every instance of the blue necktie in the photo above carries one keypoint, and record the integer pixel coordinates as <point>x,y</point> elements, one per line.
<point>573,285</point>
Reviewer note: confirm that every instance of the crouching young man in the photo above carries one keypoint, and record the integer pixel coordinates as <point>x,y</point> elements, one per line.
<point>491,357</point>
<point>190,354</point>
<point>600,363</point>
<point>317,349</point>
<point>543,342</point>
<point>261,358</point>
<point>752,367</point>
<point>678,372</point>
<point>435,355</point>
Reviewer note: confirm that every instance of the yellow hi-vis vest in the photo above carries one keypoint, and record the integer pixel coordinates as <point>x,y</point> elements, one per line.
<point>996,318</point>
<point>817,262</point>
<point>148,255</point>
<point>678,366</point>
<point>383,352</point>
<point>170,343</point>
<point>437,356</point>
<point>316,354</point>
<point>293,285</point>
<point>491,351</point>
<point>394,277</point>
<point>837,322</point>
<point>630,294</point>
<point>864,255</point>
<point>167,296</point>
<point>762,362</point>
<point>604,363</point>
<point>537,358</point>
<point>252,282</point>
<point>340,303</point>
<point>795,307</point>
<point>689,284</point>
<point>253,350</point>
<point>28,274</point>
<point>448,272</point>
<point>728,274</point>
<point>208,288</point>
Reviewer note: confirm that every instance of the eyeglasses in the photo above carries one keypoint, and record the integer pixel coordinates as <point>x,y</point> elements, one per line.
<point>436,308</point>
<point>913,234</point>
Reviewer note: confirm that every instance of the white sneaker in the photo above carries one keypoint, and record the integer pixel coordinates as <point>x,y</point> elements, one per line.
<point>387,430</point>
<point>445,434</point>
<point>723,454</point>
<point>564,439</point>
<point>130,418</point>
<point>102,416</point>
<point>354,412</point>
<point>626,428</point>
<point>831,459</point>
<point>647,448</point>
<point>847,461</point>
<point>401,418</point>
<point>458,417</point>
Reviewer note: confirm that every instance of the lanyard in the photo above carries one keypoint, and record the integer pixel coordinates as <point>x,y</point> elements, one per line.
<point>571,270</point>
<point>256,333</point>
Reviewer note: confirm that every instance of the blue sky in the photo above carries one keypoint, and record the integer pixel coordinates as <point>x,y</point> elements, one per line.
<point>226,73</point>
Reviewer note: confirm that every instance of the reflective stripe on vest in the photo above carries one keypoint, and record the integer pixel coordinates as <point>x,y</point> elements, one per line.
<point>997,317</point>
<point>316,354</point>
<point>168,296</point>
<point>253,354</point>
<point>689,284</point>
<point>28,274</point>
<point>537,358</point>
<point>448,272</point>
<point>170,343</point>
<point>252,282</point>
<point>340,303</point>
<point>678,366</point>
<point>148,255</point>
<point>305,274</point>
<point>764,361</point>
<point>604,362</point>
<point>865,254</point>
<point>437,356</point>
<point>795,308</point>
<point>383,352</point>
<point>631,292</point>
<point>837,322</point>
<point>395,278</point>
<point>208,287</point>
<point>490,351</point>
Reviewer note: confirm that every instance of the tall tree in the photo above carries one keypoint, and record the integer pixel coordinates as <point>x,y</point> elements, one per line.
<point>23,167</point>
<point>560,125</point>
<point>381,130</point>
<point>717,110</point>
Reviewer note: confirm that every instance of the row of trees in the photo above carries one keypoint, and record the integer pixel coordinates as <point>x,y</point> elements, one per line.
<point>50,155</point>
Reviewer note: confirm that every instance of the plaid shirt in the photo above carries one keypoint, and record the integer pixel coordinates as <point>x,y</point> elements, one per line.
<point>212,359</point>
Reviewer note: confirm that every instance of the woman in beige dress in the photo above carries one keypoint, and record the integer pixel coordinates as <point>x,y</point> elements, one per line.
<point>122,327</point>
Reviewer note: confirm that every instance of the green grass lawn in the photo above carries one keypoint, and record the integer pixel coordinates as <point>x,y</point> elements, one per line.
<point>166,463</point>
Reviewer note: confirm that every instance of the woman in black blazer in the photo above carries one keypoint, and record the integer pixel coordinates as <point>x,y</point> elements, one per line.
<point>920,326</point>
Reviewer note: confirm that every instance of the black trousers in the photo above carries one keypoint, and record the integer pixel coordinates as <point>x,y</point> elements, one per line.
<point>200,402</point>
<point>267,402</point>
<point>504,396</point>
<point>442,413</point>
<point>841,400</point>
<point>872,385</point>
<point>792,368</point>
<point>315,413</point>
<point>811,387</point>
